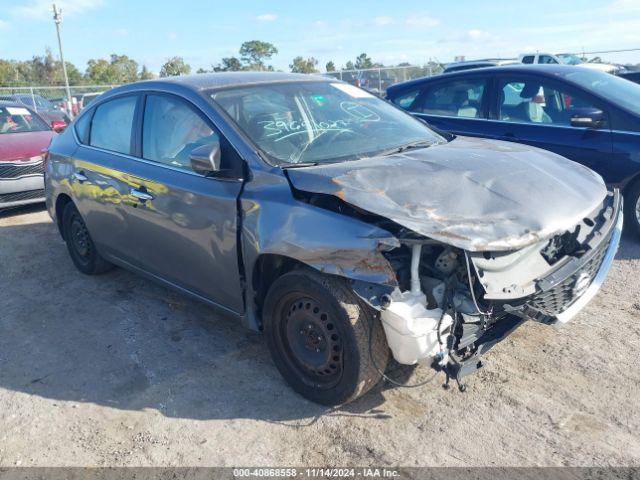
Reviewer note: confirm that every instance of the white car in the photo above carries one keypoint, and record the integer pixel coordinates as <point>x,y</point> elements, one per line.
<point>566,59</point>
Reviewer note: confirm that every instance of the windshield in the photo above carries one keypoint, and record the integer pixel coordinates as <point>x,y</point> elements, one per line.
<point>618,90</point>
<point>315,122</point>
<point>570,59</point>
<point>19,120</point>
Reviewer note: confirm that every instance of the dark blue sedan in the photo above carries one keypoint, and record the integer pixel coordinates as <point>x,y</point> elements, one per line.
<point>587,116</point>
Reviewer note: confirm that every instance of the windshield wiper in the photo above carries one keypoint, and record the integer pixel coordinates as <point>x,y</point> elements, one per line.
<point>299,165</point>
<point>404,148</point>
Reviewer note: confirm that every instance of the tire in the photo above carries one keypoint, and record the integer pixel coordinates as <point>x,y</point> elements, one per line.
<point>632,208</point>
<point>81,248</point>
<point>317,331</point>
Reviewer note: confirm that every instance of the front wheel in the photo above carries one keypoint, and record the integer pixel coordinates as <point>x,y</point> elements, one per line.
<point>632,208</point>
<point>318,331</point>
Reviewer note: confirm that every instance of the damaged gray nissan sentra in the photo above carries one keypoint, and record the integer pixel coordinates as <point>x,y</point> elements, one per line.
<point>342,227</point>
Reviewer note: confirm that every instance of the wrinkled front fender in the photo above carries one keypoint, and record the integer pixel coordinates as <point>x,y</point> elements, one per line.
<point>274,222</point>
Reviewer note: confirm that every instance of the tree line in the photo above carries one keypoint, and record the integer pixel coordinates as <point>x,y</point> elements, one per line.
<point>45,70</point>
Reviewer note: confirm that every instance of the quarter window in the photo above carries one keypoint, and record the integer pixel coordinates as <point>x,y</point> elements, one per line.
<point>171,130</point>
<point>528,59</point>
<point>82,127</point>
<point>112,124</point>
<point>462,98</point>
<point>533,101</point>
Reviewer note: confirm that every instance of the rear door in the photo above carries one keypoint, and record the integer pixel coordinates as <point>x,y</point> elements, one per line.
<point>537,111</point>
<point>185,225</point>
<point>457,105</point>
<point>100,180</point>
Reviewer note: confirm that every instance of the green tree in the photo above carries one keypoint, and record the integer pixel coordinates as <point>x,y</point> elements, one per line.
<point>125,69</point>
<point>175,66</point>
<point>145,73</point>
<point>229,64</point>
<point>349,65</point>
<point>254,53</point>
<point>363,61</point>
<point>330,66</point>
<point>8,73</point>
<point>73,74</point>
<point>300,65</point>
<point>99,72</point>
<point>44,69</point>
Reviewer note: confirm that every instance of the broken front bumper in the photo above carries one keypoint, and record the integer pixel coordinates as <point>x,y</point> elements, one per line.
<point>567,290</point>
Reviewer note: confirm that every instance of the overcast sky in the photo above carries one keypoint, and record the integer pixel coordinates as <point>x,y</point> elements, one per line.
<point>390,32</point>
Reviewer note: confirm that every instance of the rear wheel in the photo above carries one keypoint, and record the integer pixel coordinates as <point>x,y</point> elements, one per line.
<point>632,208</point>
<point>318,330</point>
<point>81,248</point>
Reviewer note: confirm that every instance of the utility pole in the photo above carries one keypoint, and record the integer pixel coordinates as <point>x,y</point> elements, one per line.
<point>57,18</point>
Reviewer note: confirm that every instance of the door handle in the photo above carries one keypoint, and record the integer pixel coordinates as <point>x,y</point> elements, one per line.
<point>141,195</point>
<point>80,176</point>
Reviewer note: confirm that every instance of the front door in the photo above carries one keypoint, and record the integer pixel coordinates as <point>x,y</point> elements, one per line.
<point>537,111</point>
<point>185,224</point>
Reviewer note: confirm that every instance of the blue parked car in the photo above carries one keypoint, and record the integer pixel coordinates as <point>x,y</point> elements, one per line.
<point>587,116</point>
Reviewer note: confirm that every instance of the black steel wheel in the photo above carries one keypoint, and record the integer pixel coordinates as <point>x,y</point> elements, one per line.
<point>317,330</point>
<point>80,245</point>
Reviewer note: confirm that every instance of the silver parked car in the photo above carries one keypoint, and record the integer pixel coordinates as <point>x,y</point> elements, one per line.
<point>342,227</point>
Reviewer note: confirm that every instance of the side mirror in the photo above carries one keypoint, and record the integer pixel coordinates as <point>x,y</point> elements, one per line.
<point>58,125</point>
<point>587,118</point>
<point>205,159</point>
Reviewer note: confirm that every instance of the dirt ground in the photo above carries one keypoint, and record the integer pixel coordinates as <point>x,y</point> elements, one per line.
<point>115,370</point>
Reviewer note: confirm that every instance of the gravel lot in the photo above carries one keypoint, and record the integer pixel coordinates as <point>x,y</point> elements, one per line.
<point>115,370</point>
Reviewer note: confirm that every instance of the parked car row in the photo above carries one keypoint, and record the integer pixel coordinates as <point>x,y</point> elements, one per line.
<point>344,228</point>
<point>536,59</point>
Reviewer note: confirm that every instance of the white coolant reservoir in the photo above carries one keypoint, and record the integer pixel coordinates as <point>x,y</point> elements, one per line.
<point>412,329</point>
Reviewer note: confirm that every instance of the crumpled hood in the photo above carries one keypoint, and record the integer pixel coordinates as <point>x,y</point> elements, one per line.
<point>475,194</point>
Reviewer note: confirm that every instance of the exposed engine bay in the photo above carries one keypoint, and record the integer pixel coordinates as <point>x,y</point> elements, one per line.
<point>451,305</point>
<point>435,312</point>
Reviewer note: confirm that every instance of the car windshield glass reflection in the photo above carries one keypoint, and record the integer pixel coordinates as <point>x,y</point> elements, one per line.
<point>315,122</point>
<point>20,120</point>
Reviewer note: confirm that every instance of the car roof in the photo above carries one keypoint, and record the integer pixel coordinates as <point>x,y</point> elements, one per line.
<point>206,81</point>
<point>549,70</point>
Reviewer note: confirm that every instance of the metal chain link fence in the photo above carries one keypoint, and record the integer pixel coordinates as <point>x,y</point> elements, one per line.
<point>375,80</point>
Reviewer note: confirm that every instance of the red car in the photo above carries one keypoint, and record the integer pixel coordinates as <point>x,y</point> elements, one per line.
<point>23,137</point>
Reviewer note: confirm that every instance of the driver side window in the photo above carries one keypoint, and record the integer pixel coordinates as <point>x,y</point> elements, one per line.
<point>529,100</point>
<point>172,130</point>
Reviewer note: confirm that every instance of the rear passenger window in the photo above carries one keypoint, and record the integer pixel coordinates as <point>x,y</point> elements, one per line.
<point>461,98</point>
<point>528,59</point>
<point>406,99</point>
<point>113,123</point>
<point>171,130</point>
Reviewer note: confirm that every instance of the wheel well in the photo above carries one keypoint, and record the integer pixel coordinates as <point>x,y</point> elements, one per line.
<point>61,202</point>
<point>630,185</point>
<point>266,270</point>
